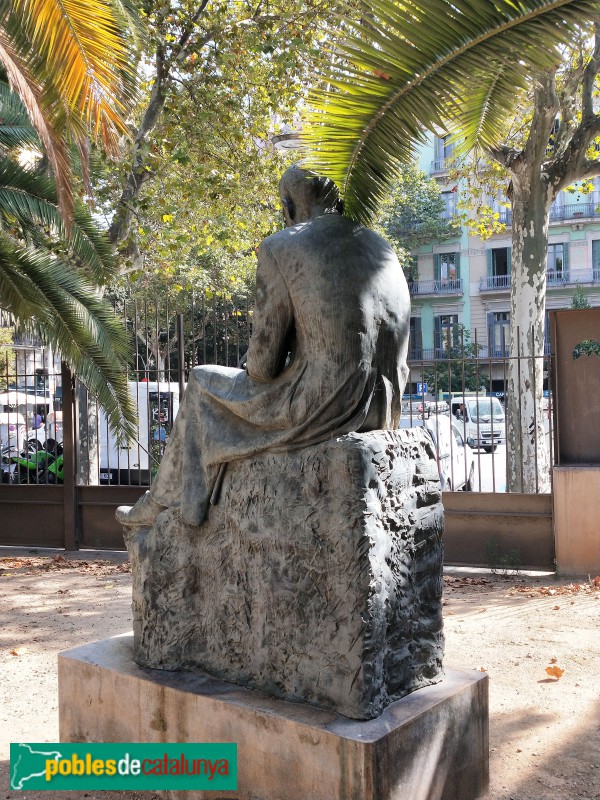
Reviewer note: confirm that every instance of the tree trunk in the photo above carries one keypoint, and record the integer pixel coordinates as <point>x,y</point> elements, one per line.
<point>527,453</point>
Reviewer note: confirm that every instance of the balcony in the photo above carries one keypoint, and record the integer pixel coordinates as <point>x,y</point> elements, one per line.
<point>572,277</point>
<point>441,165</point>
<point>574,212</point>
<point>494,283</point>
<point>441,287</point>
<point>25,341</point>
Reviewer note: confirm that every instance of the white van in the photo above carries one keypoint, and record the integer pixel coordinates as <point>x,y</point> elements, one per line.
<point>133,463</point>
<point>481,421</point>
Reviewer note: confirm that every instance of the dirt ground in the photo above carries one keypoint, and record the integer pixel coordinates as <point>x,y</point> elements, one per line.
<point>538,638</point>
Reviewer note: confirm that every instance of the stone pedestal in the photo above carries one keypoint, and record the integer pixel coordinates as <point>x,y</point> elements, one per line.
<point>430,745</point>
<point>317,577</point>
<point>576,498</point>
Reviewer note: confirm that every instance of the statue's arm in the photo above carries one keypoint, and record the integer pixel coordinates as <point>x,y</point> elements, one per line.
<point>272,321</point>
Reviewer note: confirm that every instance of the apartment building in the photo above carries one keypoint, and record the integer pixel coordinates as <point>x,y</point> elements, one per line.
<point>464,280</point>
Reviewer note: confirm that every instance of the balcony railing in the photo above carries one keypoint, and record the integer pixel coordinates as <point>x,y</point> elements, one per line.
<point>572,277</point>
<point>442,165</point>
<point>561,213</point>
<point>421,288</point>
<point>493,283</point>
<point>574,211</point>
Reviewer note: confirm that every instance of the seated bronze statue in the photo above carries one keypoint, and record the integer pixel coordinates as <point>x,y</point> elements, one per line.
<point>327,354</point>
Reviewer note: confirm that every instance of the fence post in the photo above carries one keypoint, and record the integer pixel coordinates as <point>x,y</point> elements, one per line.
<point>181,353</point>
<point>69,434</point>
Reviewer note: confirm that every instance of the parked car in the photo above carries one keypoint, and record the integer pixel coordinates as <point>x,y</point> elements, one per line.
<point>481,420</point>
<point>456,460</point>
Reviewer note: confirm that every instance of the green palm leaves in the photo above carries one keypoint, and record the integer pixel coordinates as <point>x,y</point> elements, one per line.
<point>68,77</point>
<point>415,66</point>
<point>69,62</point>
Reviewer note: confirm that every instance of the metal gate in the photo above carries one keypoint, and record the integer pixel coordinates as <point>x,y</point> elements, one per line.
<point>98,475</point>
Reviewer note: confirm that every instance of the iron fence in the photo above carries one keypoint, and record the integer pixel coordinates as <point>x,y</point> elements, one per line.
<point>460,393</point>
<point>168,341</point>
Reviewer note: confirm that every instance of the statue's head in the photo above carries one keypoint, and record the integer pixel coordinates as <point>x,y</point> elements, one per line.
<point>305,195</point>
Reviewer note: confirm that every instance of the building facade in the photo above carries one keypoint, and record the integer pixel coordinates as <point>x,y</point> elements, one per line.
<point>465,281</point>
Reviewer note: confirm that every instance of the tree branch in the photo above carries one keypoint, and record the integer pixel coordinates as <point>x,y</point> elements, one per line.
<point>589,78</point>
<point>545,109</point>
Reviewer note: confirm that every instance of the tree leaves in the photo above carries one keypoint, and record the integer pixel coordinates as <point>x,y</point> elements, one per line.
<point>450,64</point>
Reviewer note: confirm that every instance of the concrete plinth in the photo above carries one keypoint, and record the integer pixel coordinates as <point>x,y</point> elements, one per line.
<point>576,496</point>
<point>430,745</point>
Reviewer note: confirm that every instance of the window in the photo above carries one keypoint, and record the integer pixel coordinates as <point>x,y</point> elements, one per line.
<point>449,211</point>
<point>596,258</point>
<point>444,148</point>
<point>416,338</point>
<point>447,267</point>
<point>499,261</point>
<point>446,333</point>
<point>498,329</point>
<point>557,262</point>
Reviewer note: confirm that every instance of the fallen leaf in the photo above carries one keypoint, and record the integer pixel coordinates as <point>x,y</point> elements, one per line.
<point>556,608</point>
<point>553,660</point>
<point>18,651</point>
<point>555,672</point>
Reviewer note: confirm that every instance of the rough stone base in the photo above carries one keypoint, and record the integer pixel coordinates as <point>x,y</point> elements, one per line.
<point>317,577</point>
<point>431,745</point>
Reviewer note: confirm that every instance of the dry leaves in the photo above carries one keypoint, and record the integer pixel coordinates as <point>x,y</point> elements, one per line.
<point>34,565</point>
<point>567,590</point>
<point>555,672</point>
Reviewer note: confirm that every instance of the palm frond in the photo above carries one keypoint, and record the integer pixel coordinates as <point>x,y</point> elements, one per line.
<point>54,142</point>
<point>28,199</point>
<point>80,57</point>
<point>15,127</point>
<point>415,66</point>
<point>69,316</point>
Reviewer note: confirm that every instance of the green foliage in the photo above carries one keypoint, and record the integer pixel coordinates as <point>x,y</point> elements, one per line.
<point>7,356</point>
<point>413,211</point>
<point>46,269</point>
<point>456,370</point>
<point>580,298</point>
<point>221,83</point>
<point>410,67</point>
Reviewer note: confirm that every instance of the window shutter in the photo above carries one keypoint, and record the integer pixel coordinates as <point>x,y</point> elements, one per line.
<point>490,262</point>
<point>490,327</point>
<point>457,265</point>
<point>437,334</point>
<point>437,260</point>
<point>508,260</point>
<point>565,260</point>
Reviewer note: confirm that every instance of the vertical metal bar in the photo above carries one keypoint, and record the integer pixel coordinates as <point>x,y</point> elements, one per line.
<point>204,329</point>
<point>215,360</point>
<point>520,403</point>
<point>535,414</point>
<point>69,410</point>
<point>181,352</point>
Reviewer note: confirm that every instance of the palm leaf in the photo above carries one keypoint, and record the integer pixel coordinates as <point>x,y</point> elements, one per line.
<point>69,316</point>
<point>15,127</point>
<point>415,66</point>
<point>69,62</point>
<point>29,200</point>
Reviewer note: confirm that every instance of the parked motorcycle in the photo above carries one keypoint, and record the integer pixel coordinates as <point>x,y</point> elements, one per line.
<point>34,466</point>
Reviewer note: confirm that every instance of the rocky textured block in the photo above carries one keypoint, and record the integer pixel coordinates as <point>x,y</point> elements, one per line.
<point>317,577</point>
